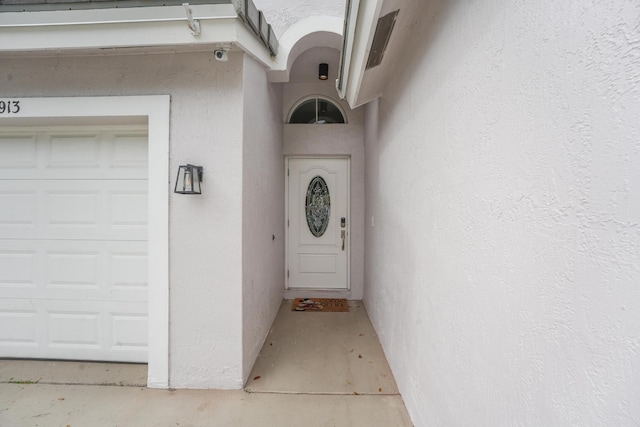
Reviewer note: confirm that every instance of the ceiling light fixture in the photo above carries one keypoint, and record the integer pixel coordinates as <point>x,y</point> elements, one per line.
<point>323,71</point>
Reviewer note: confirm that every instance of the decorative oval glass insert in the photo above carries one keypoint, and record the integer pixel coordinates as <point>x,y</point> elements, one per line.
<point>318,206</point>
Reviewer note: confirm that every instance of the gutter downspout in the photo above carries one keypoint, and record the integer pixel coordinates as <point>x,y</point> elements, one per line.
<point>350,20</point>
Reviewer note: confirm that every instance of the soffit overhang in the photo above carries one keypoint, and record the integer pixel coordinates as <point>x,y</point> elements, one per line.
<point>111,30</point>
<point>357,82</point>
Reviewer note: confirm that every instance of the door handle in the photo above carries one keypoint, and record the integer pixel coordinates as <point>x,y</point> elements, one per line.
<point>343,234</point>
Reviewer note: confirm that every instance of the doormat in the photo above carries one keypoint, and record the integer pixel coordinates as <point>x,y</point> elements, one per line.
<point>321,304</point>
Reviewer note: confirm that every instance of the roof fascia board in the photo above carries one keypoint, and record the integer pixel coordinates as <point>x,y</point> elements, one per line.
<point>110,29</point>
<point>114,16</point>
<point>247,41</point>
<point>357,50</point>
<point>42,5</point>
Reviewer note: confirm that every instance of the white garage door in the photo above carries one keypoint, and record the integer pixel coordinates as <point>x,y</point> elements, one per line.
<point>73,243</point>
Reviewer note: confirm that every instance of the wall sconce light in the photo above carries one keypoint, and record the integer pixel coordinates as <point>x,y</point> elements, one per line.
<point>188,180</point>
<point>323,71</point>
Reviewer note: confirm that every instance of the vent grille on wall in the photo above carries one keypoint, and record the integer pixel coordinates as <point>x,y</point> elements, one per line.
<point>381,38</point>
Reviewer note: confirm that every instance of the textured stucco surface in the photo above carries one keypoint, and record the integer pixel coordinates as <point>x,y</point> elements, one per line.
<point>205,239</point>
<point>304,82</point>
<point>262,209</point>
<point>282,14</point>
<point>502,269</point>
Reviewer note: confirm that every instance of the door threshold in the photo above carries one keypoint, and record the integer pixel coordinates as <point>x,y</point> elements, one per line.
<point>317,293</point>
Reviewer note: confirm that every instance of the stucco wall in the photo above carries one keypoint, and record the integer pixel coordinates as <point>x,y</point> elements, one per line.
<point>282,14</point>
<point>205,241</point>
<point>502,267</point>
<point>262,209</point>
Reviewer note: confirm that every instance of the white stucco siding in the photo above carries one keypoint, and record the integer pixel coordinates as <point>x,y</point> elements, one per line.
<point>262,209</point>
<point>205,241</point>
<point>502,268</point>
<point>282,14</point>
<point>304,82</point>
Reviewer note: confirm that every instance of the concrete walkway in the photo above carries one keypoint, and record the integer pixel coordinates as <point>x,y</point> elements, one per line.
<point>324,353</point>
<point>315,369</point>
<point>97,406</point>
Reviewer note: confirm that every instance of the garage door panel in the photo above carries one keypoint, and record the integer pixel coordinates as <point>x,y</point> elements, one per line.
<point>70,154</point>
<point>67,209</point>
<point>24,208</point>
<point>18,326</point>
<point>128,209</point>
<point>129,331</point>
<point>73,151</point>
<point>73,243</point>
<point>19,151</point>
<point>128,271</point>
<point>19,267</point>
<point>127,151</point>
<point>99,329</point>
<point>78,270</point>
<point>84,330</point>
<point>73,329</point>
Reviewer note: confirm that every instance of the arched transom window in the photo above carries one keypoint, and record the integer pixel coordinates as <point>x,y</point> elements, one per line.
<point>316,110</point>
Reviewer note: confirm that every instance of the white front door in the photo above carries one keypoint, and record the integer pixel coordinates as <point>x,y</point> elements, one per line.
<point>318,223</point>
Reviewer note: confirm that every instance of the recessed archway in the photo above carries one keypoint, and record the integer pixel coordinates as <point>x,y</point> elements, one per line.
<point>316,31</point>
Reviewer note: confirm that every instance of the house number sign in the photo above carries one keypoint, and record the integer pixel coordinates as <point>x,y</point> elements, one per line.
<point>9,106</point>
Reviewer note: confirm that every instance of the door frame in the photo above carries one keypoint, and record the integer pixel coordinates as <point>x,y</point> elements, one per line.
<point>155,110</point>
<point>286,219</point>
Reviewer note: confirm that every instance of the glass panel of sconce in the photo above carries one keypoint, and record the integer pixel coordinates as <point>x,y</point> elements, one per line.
<point>188,180</point>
